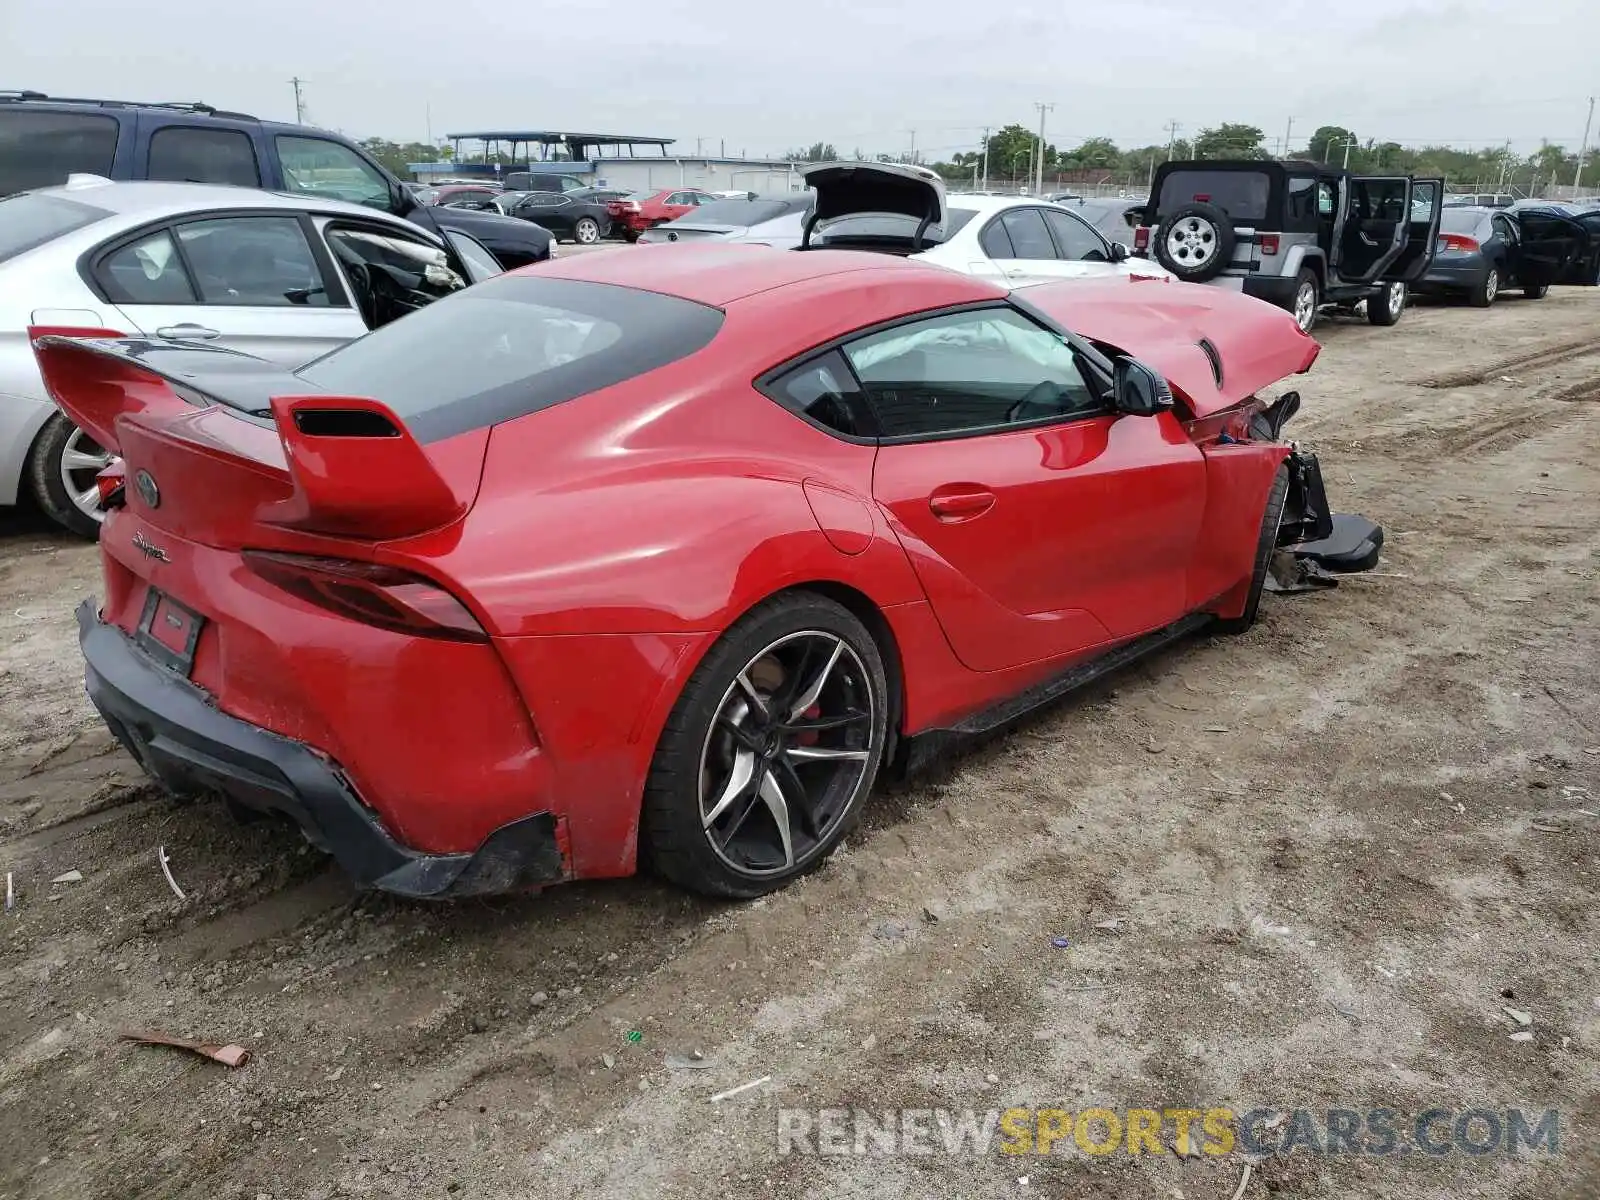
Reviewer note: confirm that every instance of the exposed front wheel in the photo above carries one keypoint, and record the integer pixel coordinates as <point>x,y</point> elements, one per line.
<point>586,232</point>
<point>1385,307</point>
<point>1536,291</point>
<point>62,470</point>
<point>1266,546</point>
<point>770,751</point>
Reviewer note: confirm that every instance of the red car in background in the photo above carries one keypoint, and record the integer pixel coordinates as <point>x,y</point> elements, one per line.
<point>634,214</point>
<point>668,556</point>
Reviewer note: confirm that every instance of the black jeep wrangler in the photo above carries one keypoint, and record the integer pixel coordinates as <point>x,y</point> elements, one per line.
<point>1301,235</point>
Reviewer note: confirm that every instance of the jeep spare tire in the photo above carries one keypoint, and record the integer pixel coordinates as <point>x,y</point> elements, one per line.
<point>1195,241</point>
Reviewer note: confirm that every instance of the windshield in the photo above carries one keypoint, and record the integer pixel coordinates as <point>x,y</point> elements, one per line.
<point>512,346</point>
<point>30,220</point>
<point>1240,194</point>
<point>875,226</point>
<point>738,212</point>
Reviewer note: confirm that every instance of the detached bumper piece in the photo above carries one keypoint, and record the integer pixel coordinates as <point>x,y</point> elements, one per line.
<point>1315,544</point>
<point>186,744</point>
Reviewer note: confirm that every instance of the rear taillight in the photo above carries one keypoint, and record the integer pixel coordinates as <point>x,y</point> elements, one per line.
<point>1455,241</point>
<point>631,206</point>
<point>110,485</point>
<point>1141,238</point>
<point>1268,243</point>
<point>371,593</point>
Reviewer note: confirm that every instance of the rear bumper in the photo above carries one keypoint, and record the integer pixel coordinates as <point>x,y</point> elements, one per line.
<point>1450,277</point>
<point>185,743</point>
<point>1274,289</point>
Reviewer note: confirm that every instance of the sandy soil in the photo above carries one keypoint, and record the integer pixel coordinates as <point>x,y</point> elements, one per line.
<point>1307,867</point>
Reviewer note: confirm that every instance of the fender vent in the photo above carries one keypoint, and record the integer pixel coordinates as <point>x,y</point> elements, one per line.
<point>1214,358</point>
<point>343,422</point>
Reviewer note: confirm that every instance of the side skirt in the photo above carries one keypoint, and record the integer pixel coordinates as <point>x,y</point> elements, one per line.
<point>917,752</point>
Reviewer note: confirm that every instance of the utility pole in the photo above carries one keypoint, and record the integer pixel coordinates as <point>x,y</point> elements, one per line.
<point>1172,136</point>
<point>1288,132</point>
<point>985,186</point>
<point>1348,142</point>
<point>697,142</point>
<point>1583,149</point>
<point>299,105</point>
<point>912,154</point>
<point>1038,159</point>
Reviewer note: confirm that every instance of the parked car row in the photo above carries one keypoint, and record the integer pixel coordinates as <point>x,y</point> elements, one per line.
<point>1308,237</point>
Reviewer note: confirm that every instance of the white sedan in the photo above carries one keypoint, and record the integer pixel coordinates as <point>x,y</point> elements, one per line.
<point>1014,240</point>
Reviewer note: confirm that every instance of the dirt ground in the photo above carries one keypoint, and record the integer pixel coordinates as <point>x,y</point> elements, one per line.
<point>1310,867</point>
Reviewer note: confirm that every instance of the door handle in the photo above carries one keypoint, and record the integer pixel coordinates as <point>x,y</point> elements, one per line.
<point>960,504</point>
<point>187,332</point>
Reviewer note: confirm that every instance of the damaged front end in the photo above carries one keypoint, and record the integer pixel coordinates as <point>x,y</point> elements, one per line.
<point>1315,544</point>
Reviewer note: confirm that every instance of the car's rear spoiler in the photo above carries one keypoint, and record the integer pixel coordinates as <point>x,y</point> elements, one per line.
<point>345,465</point>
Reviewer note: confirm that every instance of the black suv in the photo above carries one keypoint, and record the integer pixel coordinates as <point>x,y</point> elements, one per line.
<point>1301,235</point>
<point>44,139</point>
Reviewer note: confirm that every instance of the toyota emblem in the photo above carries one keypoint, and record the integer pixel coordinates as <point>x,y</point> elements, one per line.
<point>145,484</point>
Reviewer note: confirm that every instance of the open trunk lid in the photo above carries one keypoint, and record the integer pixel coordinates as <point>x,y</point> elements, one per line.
<point>227,450</point>
<point>878,190</point>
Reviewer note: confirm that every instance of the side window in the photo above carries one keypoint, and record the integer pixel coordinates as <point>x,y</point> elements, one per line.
<point>824,391</point>
<point>970,372</point>
<point>189,154</point>
<point>1303,194</point>
<point>391,274</point>
<point>995,241</point>
<point>480,264</point>
<point>40,149</point>
<point>147,271</point>
<point>1029,237</point>
<point>1076,241</point>
<point>1324,200</point>
<point>1506,230</point>
<point>327,169</point>
<point>254,261</point>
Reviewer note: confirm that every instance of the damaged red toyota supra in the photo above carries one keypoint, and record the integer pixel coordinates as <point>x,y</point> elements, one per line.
<point>664,557</point>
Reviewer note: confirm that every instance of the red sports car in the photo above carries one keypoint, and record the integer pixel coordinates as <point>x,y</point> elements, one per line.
<point>669,554</point>
<point>634,214</point>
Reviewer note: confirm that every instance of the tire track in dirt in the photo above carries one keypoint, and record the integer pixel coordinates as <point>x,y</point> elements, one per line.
<point>1544,357</point>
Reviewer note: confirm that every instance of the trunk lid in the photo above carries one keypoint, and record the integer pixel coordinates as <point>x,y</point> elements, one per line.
<point>878,190</point>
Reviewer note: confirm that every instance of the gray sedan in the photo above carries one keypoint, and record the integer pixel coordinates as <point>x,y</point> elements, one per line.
<point>282,277</point>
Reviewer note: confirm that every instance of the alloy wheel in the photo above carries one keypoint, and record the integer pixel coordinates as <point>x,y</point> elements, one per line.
<point>587,231</point>
<point>83,458</point>
<point>1305,306</point>
<point>1192,242</point>
<point>786,754</point>
<point>1491,285</point>
<point>1396,299</point>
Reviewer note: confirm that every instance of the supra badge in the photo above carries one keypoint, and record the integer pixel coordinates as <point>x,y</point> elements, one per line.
<point>148,548</point>
<point>145,484</point>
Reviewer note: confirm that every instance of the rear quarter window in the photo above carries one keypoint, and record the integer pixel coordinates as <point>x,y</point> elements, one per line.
<point>191,154</point>
<point>1243,195</point>
<point>40,149</point>
<point>512,346</point>
<point>27,222</point>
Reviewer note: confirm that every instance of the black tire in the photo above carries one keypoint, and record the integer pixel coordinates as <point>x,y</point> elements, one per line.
<point>1306,279</point>
<point>44,479</point>
<point>1219,241</point>
<point>1387,305</point>
<point>1488,289</point>
<point>1266,544</point>
<point>1535,291</point>
<point>630,236</point>
<point>673,834</point>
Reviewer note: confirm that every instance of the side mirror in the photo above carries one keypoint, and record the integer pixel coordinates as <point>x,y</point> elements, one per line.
<point>1137,390</point>
<point>1119,252</point>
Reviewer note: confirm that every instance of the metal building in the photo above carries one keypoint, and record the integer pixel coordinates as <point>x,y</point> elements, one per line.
<point>632,162</point>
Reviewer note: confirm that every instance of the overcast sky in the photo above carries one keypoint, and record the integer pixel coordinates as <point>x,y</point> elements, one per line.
<point>766,77</point>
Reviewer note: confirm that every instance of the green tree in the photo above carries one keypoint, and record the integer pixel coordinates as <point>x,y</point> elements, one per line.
<point>1096,153</point>
<point>1230,140</point>
<point>1327,143</point>
<point>817,152</point>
